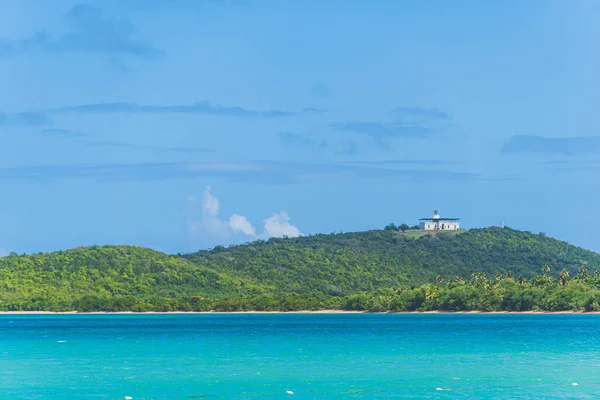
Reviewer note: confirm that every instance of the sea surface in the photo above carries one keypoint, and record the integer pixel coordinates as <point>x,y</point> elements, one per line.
<point>291,356</point>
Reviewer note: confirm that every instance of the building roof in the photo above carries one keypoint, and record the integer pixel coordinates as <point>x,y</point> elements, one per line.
<point>436,217</point>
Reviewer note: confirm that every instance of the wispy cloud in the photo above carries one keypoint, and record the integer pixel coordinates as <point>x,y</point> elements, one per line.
<point>296,139</point>
<point>427,114</point>
<point>263,172</point>
<point>188,5</point>
<point>202,108</point>
<point>87,140</point>
<point>572,164</point>
<point>67,133</point>
<point>320,90</point>
<point>349,148</point>
<point>410,162</point>
<point>24,118</point>
<point>552,146</point>
<point>210,222</point>
<point>577,168</point>
<point>381,131</point>
<point>88,30</point>
<point>411,122</point>
<point>134,146</point>
<point>571,161</point>
<point>117,64</point>
<point>312,110</point>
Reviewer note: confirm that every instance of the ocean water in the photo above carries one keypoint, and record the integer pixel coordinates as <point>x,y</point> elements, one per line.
<point>291,356</point>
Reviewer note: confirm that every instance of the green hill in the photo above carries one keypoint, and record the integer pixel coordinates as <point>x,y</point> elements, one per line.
<point>339,264</point>
<point>115,278</point>
<point>309,272</point>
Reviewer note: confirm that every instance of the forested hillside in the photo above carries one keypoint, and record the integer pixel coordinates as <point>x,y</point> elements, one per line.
<point>362,261</point>
<point>313,272</point>
<point>107,277</point>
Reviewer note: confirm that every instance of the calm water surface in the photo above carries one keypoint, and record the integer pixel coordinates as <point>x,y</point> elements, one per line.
<point>312,356</point>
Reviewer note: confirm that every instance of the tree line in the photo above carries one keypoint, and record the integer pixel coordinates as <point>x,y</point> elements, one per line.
<point>545,292</point>
<point>379,270</point>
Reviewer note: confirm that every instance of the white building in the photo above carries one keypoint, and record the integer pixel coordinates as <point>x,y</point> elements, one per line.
<point>437,223</point>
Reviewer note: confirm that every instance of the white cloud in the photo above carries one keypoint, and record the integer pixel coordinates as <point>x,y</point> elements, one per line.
<point>239,223</point>
<point>277,225</point>
<point>210,221</point>
<point>210,204</point>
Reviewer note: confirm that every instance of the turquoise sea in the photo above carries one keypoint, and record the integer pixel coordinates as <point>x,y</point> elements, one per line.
<point>292,356</point>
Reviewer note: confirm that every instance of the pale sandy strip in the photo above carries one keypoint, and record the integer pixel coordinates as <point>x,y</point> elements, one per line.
<point>295,312</point>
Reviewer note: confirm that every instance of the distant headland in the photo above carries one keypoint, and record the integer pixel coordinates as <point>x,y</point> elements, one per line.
<point>435,266</point>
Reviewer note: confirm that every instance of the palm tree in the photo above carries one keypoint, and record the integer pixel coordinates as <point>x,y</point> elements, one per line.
<point>545,270</point>
<point>563,277</point>
<point>510,276</point>
<point>431,296</point>
<point>583,273</point>
<point>546,274</point>
<point>429,292</point>
<point>498,277</point>
<point>597,273</point>
<point>439,280</point>
<point>522,280</point>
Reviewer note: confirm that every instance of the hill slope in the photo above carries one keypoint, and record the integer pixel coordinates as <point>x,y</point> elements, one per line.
<point>115,278</point>
<point>280,274</point>
<point>362,261</point>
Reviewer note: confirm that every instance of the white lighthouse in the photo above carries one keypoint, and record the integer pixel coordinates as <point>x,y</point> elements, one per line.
<point>437,223</point>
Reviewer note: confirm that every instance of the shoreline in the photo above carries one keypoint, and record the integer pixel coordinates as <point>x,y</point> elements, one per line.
<point>308,312</point>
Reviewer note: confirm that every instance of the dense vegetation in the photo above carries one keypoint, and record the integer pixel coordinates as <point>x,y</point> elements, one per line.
<point>381,270</point>
<point>341,264</point>
<point>502,293</point>
<point>115,278</point>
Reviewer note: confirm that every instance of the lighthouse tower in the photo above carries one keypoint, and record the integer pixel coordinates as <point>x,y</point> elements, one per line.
<point>437,223</point>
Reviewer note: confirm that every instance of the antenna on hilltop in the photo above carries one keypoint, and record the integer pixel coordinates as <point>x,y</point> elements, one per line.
<point>502,224</point>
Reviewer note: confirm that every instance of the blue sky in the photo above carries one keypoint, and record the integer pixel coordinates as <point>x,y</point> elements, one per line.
<point>184,124</point>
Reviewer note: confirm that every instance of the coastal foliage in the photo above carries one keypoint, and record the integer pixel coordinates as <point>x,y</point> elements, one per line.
<point>384,270</point>
<point>341,264</point>
<point>115,278</point>
<point>501,293</point>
